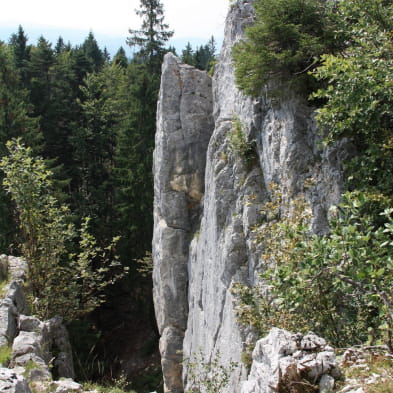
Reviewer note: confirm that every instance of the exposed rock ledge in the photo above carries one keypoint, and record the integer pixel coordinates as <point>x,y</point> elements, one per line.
<point>38,347</point>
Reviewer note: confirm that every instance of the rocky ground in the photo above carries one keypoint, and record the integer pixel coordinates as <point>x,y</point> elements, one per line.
<point>36,355</point>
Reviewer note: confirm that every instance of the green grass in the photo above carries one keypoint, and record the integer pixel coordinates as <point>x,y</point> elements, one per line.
<point>5,355</point>
<point>380,365</point>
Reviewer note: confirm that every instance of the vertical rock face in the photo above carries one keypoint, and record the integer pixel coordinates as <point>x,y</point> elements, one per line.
<point>184,127</point>
<point>194,270</point>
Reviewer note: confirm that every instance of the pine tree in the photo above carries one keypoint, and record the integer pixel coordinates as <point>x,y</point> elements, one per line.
<point>21,51</point>
<point>134,151</point>
<point>42,58</point>
<point>187,55</point>
<point>153,35</point>
<point>135,141</point>
<point>93,143</point>
<point>120,58</point>
<point>60,46</point>
<point>93,53</point>
<point>14,122</point>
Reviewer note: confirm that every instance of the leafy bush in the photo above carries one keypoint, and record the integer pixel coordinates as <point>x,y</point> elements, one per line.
<point>61,280</point>
<point>358,97</point>
<point>337,285</point>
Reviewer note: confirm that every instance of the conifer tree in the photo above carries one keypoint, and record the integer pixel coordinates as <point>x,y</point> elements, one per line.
<point>153,34</point>
<point>93,53</point>
<point>120,58</point>
<point>135,140</point>
<point>187,55</point>
<point>15,121</point>
<point>21,51</point>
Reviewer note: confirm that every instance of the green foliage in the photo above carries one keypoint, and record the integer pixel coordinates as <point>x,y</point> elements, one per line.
<point>93,145</point>
<point>145,265</point>
<point>207,377</point>
<point>359,92</point>
<point>116,387</point>
<point>239,144</point>
<point>375,363</point>
<point>284,42</point>
<point>15,120</point>
<point>61,282</point>
<point>133,162</point>
<point>203,58</point>
<point>5,355</point>
<point>152,36</point>
<point>337,285</point>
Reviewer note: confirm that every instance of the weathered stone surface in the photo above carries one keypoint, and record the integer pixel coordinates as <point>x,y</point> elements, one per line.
<point>36,345</point>
<point>17,268</point>
<point>184,126</point>
<point>59,343</point>
<point>12,382</point>
<point>13,303</point>
<point>37,342</point>
<point>326,384</point>
<point>280,360</point>
<point>28,342</point>
<point>29,323</point>
<point>66,386</point>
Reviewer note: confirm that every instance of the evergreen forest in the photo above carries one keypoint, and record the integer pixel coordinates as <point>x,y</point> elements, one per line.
<point>79,178</point>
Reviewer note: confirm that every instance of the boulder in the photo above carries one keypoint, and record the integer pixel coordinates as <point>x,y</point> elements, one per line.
<point>283,361</point>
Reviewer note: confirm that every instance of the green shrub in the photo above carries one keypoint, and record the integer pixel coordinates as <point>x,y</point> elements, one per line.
<point>284,42</point>
<point>207,377</point>
<point>359,93</point>
<point>337,285</point>
<point>61,281</point>
<point>239,144</point>
<point>5,355</point>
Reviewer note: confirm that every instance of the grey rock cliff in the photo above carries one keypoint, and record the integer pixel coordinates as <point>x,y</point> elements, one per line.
<point>193,275</point>
<point>184,127</point>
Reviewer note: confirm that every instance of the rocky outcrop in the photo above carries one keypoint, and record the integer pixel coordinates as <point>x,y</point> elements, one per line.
<point>291,362</point>
<point>36,344</point>
<point>38,348</point>
<point>194,269</point>
<point>184,127</point>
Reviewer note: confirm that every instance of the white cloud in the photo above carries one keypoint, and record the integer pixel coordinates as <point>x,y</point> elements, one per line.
<point>189,18</point>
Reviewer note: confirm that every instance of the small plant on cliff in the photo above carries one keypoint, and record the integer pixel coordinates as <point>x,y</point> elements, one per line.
<point>207,377</point>
<point>239,144</point>
<point>5,355</point>
<point>60,281</point>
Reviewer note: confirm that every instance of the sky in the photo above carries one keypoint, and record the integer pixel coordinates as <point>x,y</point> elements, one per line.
<point>192,20</point>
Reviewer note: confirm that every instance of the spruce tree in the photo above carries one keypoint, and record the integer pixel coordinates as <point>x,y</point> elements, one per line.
<point>153,34</point>
<point>120,58</point>
<point>21,51</point>
<point>93,53</point>
<point>15,121</point>
<point>187,55</point>
<point>135,140</point>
